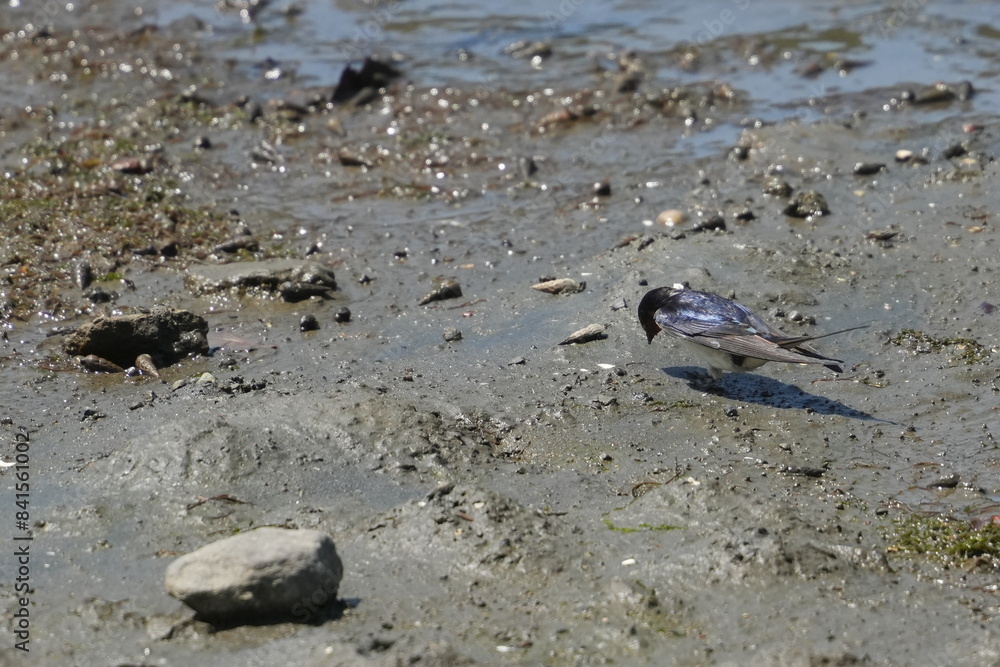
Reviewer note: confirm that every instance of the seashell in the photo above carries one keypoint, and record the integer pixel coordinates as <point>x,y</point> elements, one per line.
<point>145,363</point>
<point>560,286</point>
<point>585,335</point>
<point>96,364</point>
<point>448,288</point>
<point>671,217</point>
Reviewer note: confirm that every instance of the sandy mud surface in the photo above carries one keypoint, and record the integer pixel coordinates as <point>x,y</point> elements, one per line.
<point>495,497</point>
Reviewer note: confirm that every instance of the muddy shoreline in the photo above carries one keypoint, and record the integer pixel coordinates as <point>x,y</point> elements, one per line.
<point>495,497</point>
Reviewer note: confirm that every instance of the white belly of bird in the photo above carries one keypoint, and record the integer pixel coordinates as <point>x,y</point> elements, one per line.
<point>719,361</point>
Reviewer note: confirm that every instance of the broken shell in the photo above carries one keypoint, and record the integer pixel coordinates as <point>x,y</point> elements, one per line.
<point>560,286</point>
<point>132,165</point>
<point>881,234</point>
<point>96,364</point>
<point>585,335</point>
<point>448,288</point>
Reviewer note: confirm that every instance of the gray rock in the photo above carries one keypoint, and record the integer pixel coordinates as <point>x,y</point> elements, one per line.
<point>269,574</point>
<point>166,334</point>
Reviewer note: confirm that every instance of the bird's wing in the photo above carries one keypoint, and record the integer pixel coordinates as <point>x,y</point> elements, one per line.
<point>708,327</point>
<point>756,340</point>
<point>757,347</point>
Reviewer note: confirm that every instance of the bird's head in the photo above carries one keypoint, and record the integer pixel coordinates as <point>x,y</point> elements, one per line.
<point>651,302</point>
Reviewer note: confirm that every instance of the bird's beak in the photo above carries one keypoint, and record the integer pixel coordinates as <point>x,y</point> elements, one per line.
<point>651,330</point>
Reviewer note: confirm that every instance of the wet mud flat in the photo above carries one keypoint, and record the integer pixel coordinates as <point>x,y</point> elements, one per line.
<point>497,497</point>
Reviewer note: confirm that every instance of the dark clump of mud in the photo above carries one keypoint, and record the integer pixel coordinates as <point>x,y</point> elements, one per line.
<point>166,334</point>
<point>391,297</point>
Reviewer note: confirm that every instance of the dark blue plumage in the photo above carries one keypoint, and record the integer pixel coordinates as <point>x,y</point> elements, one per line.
<point>726,333</point>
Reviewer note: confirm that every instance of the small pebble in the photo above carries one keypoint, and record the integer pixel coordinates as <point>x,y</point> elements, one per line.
<point>602,188</point>
<point>953,151</point>
<point>205,379</point>
<point>777,187</point>
<point>947,482</point>
<point>868,168</point>
<point>83,274</point>
<point>452,334</point>
<point>308,323</point>
<point>745,214</point>
<point>964,90</point>
<point>807,204</point>
<point>98,295</point>
<point>343,314</point>
<point>711,223</point>
<point>739,153</point>
<point>527,167</point>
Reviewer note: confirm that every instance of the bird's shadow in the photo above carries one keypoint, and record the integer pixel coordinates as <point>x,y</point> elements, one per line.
<point>764,390</point>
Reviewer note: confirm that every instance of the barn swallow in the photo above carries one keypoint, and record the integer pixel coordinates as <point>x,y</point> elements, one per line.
<point>725,333</point>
